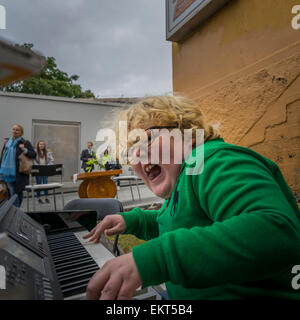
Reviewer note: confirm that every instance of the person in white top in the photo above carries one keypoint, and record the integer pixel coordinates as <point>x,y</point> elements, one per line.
<point>43,157</point>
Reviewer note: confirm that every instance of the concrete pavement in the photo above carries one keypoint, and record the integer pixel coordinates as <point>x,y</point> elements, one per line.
<point>124,195</point>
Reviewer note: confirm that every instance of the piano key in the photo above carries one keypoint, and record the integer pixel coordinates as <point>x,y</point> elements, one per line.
<point>61,235</point>
<point>70,256</point>
<point>90,269</point>
<point>76,260</point>
<point>98,251</point>
<point>70,292</point>
<point>59,244</point>
<point>84,262</point>
<point>73,281</point>
<point>73,272</point>
<point>66,248</point>
<point>76,270</point>
<point>62,251</point>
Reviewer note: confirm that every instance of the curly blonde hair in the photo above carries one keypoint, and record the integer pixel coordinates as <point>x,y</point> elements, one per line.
<point>169,111</point>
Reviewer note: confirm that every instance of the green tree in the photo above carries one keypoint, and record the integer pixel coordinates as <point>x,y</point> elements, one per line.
<point>50,81</point>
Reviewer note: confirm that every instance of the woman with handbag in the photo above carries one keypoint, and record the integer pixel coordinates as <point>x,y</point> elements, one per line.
<point>16,147</point>
<point>43,157</point>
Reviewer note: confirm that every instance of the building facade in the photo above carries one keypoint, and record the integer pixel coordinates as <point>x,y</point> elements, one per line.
<point>66,125</point>
<point>242,65</point>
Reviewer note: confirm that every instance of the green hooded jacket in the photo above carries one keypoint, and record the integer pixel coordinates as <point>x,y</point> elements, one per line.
<point>232,231</point>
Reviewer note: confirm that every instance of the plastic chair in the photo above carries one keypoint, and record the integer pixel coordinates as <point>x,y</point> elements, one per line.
<point>103,206</point>
<point>45,171</point>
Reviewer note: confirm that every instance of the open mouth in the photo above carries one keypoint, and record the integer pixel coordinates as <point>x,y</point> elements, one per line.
<point>152,171</point>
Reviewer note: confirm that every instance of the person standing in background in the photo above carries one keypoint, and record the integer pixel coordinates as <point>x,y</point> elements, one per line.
<point>87,155</point>
<point>43,157</point>
<point>9,170</point>
<point>113,164</point>
<point>2,152</point>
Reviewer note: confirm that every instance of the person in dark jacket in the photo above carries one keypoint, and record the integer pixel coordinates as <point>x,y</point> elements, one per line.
<point>9,170</point>
<point>87,155</point>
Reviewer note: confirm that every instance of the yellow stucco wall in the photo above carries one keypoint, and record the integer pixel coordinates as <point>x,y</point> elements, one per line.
<point>242,66</point>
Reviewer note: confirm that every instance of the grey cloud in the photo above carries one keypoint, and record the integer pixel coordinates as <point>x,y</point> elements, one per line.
<point>117,47</point>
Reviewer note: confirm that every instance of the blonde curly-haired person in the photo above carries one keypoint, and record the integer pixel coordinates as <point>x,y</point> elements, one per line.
<point>230,230</point>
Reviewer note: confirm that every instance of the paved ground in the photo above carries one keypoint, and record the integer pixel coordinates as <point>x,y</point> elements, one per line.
<point>124,195</point>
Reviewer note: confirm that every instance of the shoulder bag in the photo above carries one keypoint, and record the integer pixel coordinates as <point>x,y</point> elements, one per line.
<point>25,164</point>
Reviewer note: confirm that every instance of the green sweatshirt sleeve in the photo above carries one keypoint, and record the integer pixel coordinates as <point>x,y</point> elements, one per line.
<point>141,223</point>
<point>254,234</point>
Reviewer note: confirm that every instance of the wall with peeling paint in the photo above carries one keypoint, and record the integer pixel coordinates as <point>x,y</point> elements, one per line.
<point>243,68</point>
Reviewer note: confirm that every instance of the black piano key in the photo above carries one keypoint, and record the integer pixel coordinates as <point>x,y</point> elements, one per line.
<point>73,264</point>
<point>62,244</point>
<point>67,275</point>
<point>68,247</point>
<point>74,249</point>
<point>59,237</point>
<point>75,269</point>
<point>75,283</point>
<point>73,280</point>
<point>70,256</point>
<point>84,262</point>
<point>74,290</point>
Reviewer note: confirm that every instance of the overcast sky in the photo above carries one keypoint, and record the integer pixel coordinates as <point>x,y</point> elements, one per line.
<point>117,47</point>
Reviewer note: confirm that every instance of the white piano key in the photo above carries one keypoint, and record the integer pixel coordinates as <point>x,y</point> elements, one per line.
<point>98,252</point>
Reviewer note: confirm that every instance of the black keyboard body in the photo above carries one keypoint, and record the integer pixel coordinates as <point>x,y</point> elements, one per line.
<point>42,258</point>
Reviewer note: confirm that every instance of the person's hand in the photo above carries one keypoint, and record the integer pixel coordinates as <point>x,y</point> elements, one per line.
<point>110,225</point>
<point>21,146</point>
<point>116,280</point>
<point>89,159</point>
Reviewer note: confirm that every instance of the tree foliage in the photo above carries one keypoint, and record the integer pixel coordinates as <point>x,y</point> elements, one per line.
<point>51,81</point>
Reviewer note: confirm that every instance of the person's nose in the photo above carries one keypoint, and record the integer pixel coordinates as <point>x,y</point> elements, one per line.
<point>137,152</point>
<point>140,154</point>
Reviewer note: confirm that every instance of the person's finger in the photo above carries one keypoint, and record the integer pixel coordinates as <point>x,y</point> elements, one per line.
<point>111,288</point>
<point>88,235</point>
<point>96,232</point>
<point>102,228</point>
<point>112,231</point>
<point>96,284</point>
<point>127,290</point>
<point>96,237</point>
